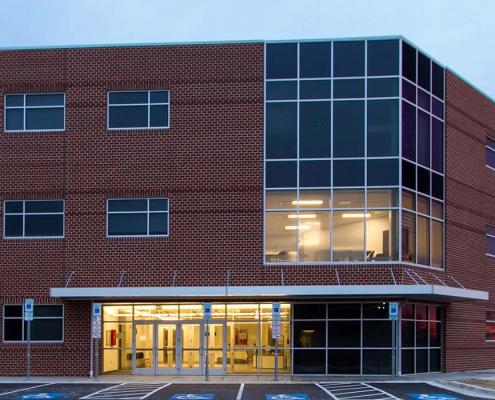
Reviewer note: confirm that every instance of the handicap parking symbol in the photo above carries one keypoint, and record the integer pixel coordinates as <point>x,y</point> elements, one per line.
<point>431,396</point>
<point>296,396</point>
<point>193,396</point>
<point>41,396</point>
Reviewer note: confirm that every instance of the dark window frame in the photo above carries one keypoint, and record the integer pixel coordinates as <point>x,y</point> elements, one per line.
<point>25,107</point>
<point>148,104</point>
<point>490,149</point>
<point>490,235</point>
<point>24,214</point>
<point>147,212</point>
<point>23,334</point>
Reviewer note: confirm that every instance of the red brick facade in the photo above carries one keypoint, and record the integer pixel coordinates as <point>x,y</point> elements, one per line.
<point>210,165</point>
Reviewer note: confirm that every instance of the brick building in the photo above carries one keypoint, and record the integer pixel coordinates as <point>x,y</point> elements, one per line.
<point>336,178</point>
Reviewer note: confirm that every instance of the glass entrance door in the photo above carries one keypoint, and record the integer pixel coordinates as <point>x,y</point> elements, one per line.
<point>143,356</point>
<point>191,345</point>
<point>166,348</point>
<point>216,346</point>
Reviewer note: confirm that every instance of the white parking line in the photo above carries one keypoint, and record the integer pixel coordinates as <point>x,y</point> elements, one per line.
<point>23,389</point>
<point>239,393</point>
<point>126,391</point>
<point>354,391</point>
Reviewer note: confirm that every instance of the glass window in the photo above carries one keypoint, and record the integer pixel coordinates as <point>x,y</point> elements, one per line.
<point>424,72</point>
<point>281,90</point>
<point>344,334</point>
<point>281,237</point>
<point>34,218</point>
<point>377,362</point>
<point>436,244</point>
<point>309,334</point>
<point>344,311</point>
<point>437,145</point>
<point>437,108</point>
<point>348,129</point>
<point>348,173</point>
<point>407,333</point>
<point>437,209</point>
<point>348,58</point>
<point>314,173</point>
<point>383,87</point>
<point>383,57</point>
<point>423,205</point>
<point>437,80</point>
<point>281,130</point>
<point>490,325</point>
<point>377,334</point>
<point>281,174</point>
<point>314,236</point>
<point>408,175</point>
<point>383,128</point>
<point>309,362</point>
<point>344,361</point>
<point>407,361</point>
<point>35,112</point>
<point>409,91</point>
<point>423,227</point>
<point>314,129</point>
<point>344,198</point>
<point>375,310</point>
<point>281,199</point>
<point>47,325</point>
<point>423,180</point>
<point>437,186</point>
<point>310,311</point>
<point>382,198</point>
<point>424,99</point>
<point>348,236</point>
<point>490,240</point>
<point>408,237</point>
<point>315,59</point>
<point>408,200</point>
<point>315,89</point>
<point>281,60</point>
<point>348,89</point>
<point>137,217</point>
<point>423,138</point>
<point>314,199</point>
<point>382,233</point>
<point>490,152</point>
<point>383,172</point>
<point>408,131</point>
<point>409,62</point>
<point>138,110</point>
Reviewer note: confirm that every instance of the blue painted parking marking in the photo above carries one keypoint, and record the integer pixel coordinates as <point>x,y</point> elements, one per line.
<point>291,396</point>
<point>432,396</point>
<point>42,396</point>
<point>193,396</point>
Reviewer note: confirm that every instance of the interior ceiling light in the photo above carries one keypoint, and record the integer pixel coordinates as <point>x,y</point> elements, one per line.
<point>302,216</point>
<point>307,202</point>
<point>355,215</point>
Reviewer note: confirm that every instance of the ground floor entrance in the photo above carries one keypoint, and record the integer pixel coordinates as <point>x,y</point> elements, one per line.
<point>317,338</point>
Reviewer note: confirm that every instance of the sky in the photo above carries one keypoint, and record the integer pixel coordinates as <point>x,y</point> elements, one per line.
<point>458,33</point>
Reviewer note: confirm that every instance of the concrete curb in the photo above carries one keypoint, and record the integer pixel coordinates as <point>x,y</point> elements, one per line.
<point>465,389</point>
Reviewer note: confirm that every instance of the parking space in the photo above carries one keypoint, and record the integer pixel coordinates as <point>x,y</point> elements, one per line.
<point>284,392</point>
<point>183,391</point>
<point>49,391</point>
<point>421,391</point>
<point>128,391</point>
<point>6,388</point>
<point>355,391</point>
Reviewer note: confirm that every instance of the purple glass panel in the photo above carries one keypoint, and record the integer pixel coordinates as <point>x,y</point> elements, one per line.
<point>409,91</point>
<point>490,158</point>
<point>408,131</point>
<point>437,145</point>
<point>423,100</point>
<point>490,230</point>
<point>490,143</point>
<point>490,245</point>
<point>437,107</point>
<point>423,138</point>
<point>424,180</point>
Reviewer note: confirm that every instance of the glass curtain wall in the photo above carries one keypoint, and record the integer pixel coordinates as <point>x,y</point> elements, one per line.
<point>332,156</point>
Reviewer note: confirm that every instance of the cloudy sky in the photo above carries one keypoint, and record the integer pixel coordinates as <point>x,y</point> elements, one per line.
<point>458,33</point>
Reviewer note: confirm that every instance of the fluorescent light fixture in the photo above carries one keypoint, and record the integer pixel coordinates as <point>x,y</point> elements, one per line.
<point>295,227</point>
<point>355,215</point>
<point>302,216</point>
<point>307,202</point>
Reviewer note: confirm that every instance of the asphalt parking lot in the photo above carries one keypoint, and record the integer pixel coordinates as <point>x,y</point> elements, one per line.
<point>220,391</point>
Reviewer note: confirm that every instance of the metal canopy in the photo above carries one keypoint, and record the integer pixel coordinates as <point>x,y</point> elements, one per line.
<point>418,291</point>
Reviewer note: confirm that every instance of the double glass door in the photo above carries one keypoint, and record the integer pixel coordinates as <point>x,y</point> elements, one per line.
<point>173,348</point>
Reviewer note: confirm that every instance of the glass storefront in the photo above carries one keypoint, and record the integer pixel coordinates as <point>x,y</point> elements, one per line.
<point>315,338</point>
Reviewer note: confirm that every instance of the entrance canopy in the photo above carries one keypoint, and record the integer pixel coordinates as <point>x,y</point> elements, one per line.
<point>420,291</point>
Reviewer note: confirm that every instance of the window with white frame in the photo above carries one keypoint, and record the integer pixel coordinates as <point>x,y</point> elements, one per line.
<point>138,217</point>
<point>147,109</point>
<point>490,152</point>
<point>33,219</point>
<point>490,240</point>
<point>35,112</point>
<point>46,326</point>
<point>490,326</point>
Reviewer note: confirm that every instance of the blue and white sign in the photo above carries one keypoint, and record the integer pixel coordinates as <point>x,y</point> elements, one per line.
<point>28,309</point>
<point>96,321</point>
<point>96,310</point>
<point>432,396</point>
<point>193,396</point>
<point>207,310</point>
<point>40,395</point>
<point>285,396</point>
<point>276,311</point>
<point>393,311</point>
